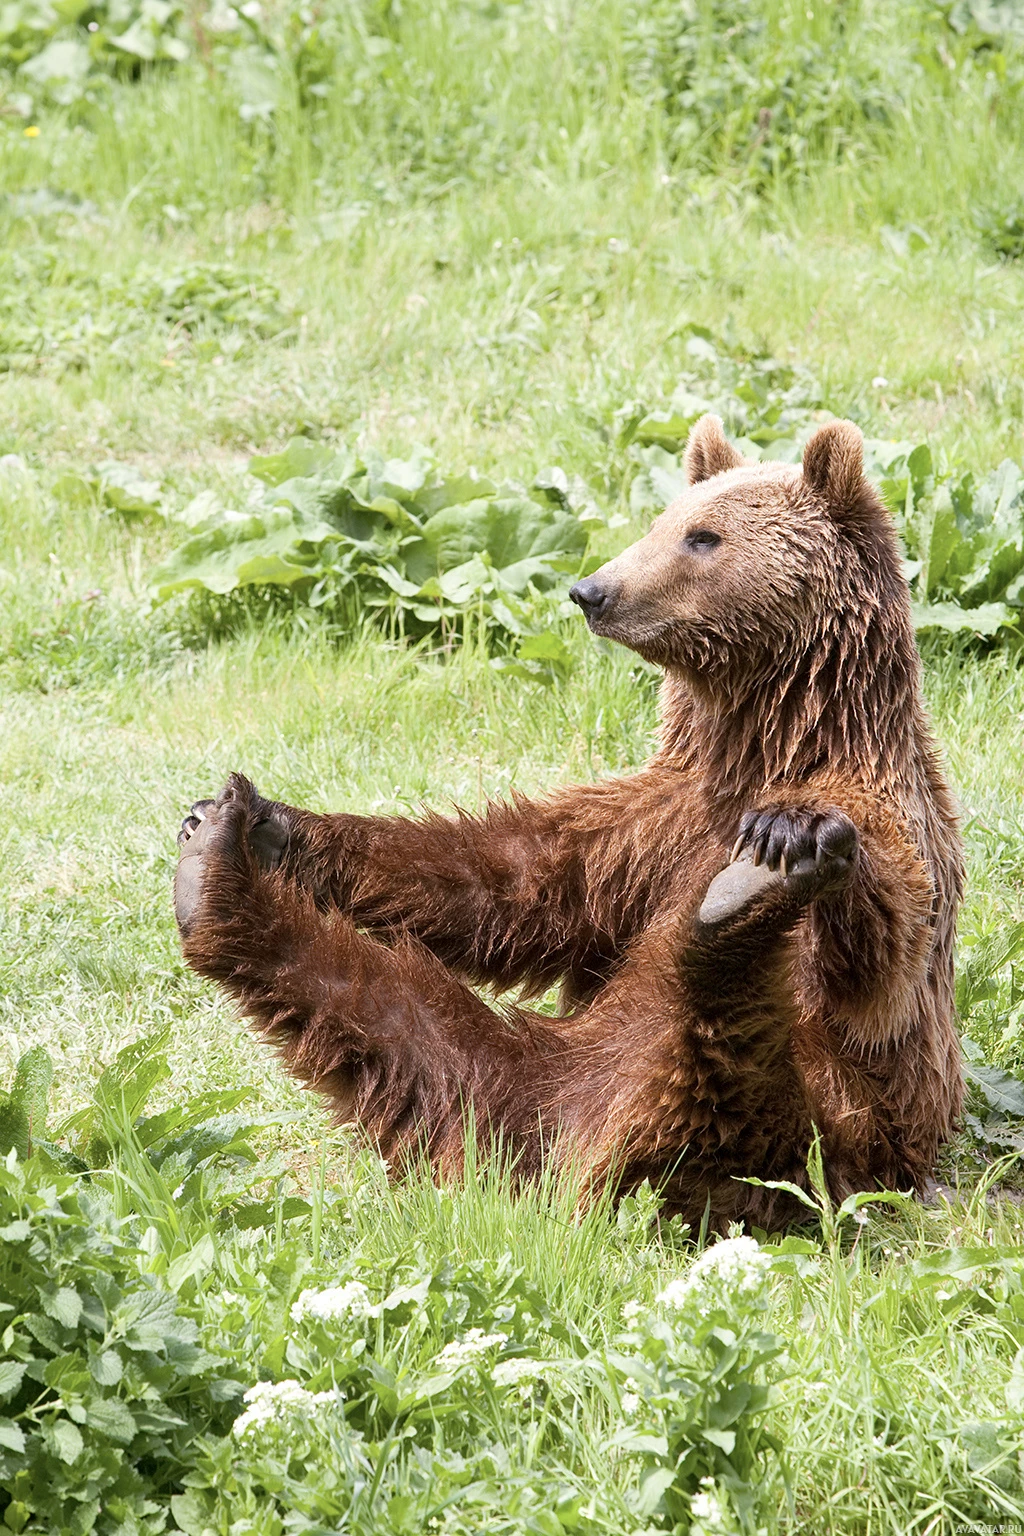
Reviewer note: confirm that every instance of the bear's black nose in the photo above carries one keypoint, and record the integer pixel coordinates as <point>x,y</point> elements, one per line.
<point>590,595</point>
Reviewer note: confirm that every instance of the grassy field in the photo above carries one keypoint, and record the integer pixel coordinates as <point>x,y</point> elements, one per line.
<point>486,233</point>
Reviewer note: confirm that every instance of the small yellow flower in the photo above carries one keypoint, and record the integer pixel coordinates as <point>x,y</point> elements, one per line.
<point>32,132</point>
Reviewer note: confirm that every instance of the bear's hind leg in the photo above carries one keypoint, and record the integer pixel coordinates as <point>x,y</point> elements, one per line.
<point>384,1031</point>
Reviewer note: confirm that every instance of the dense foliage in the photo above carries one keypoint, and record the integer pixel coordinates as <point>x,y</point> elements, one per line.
<point>755,93</point>
<point>391,537</point>
<point>173,1362</point>
<point>358,532</point>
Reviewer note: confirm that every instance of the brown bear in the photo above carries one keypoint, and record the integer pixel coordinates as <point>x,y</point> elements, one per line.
<point>754,934</point>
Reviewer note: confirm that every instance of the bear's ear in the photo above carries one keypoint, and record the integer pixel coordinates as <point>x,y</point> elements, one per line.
<point>707,452</point>
<point>834,463</point>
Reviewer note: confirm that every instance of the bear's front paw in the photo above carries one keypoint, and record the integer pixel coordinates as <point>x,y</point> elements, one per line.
<point>239,813</point>
<point>791,840</point>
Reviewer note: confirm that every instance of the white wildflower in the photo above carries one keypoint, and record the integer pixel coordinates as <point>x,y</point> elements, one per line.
<point>269,1400</point>
<point>736,1266</point>
<point>471,1346</point>
<point>333,1304</point>
<point>632,1310</point>
<point>630,1403</point>
<point>706,1506</point>
<point>509,1373</point>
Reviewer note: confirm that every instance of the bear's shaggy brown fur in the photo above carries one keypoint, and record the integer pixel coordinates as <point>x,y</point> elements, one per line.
<point>754,933</point>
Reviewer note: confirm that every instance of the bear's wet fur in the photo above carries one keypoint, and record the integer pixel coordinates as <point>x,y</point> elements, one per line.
<point>753,934</point>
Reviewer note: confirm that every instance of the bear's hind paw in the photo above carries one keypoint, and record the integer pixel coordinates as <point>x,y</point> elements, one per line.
<point>237,812</point>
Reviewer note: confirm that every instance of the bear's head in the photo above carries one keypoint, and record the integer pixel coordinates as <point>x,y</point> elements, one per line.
<point>756,564</point>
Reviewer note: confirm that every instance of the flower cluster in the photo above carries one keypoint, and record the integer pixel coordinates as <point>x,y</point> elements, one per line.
<point>272,1401</point>
<point>710,1511</point>
<point>470,1347</point>
<point>333,1304</point>
<point>510,1373</point>
<point>735,1267</point>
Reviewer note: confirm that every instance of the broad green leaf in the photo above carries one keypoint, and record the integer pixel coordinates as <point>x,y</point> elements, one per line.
<point>640,1440</point>
<point>63,1304</point>
<point>454,492</point>
<point>133,1074</point>
<point>302,459</point>
<point>107,1368</point>
<point>64,1439</point>
<point>30,1091</point>
<point>11,1372</point>
<point>855,1202</point>
<point>65,61</point>
<point>111,1417</point>
<point>275,547</point>
<point>987,619</point>
<point>938,536</point>
<point>661,481</point>
<point>12,1437</point>
<point>427,1389</point>
<point>670,428</point>
<point>190,1512</point>
<point>149,1319</point>
<point>264,1213</point>
<point>653,1486</point>
<point>921,468</point>
<point>787,1188</point>
<point>963,1261</point>
<point>554,482</point>
<point>15,1129</point>
<point>509,529</point>
<point>1001,1090</point>
<point>196,1261</point>
<point>126,490</point>
<point>183,1117</point>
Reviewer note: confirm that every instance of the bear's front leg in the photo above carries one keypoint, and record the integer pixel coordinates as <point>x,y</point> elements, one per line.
<point>747,1109</point>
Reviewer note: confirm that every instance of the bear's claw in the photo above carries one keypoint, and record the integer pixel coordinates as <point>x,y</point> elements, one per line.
<point>806,854</point>
<point>781,836</point>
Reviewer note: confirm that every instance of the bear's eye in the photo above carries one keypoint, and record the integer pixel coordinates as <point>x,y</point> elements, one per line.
<point>702,539</point>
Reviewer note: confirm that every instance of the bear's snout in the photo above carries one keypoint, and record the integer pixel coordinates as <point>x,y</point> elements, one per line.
<point>593,596</point>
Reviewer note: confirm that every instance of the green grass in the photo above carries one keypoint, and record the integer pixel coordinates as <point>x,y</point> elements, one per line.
<point>490,253</point>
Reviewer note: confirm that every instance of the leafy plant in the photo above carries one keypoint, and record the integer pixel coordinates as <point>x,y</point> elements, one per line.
<point>421,550</point>
<point>964,537</point>
<point>105,1385</point>
<point>198,1153</point>
<point>766,405</point>
<point>701,1363</point>
<point>192,309</point>
<point>744,89</point>
<point>23,1108</point>
<point>1001,227</point>
<point>208,299</point>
